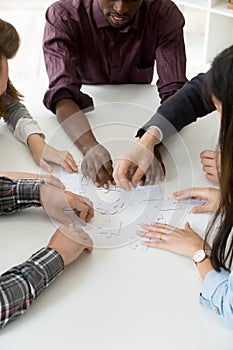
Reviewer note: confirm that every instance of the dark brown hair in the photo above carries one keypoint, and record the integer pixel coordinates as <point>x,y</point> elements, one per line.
<point>219,83</point>
<point>9,44</point>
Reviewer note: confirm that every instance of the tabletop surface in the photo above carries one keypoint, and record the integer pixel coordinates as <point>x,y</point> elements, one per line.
<point>116,297</point>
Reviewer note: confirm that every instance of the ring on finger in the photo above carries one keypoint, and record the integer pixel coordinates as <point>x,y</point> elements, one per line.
<point>161,237</point>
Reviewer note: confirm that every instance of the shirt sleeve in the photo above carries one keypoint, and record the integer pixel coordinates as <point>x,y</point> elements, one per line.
<point>62,57</point>
<point>181,109</point>
<point>170,52</point>
<point>22,284</point>
<point>217,294</point>
<point>19,120</point>
<point>16,195</point>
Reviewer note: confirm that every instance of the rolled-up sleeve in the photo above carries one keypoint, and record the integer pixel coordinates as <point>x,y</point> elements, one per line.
<point>62,57</point>
<point>217,295</point>
<point>21,285</point>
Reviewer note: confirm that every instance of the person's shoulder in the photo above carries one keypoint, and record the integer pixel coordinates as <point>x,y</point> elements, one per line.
<point>65,7</point>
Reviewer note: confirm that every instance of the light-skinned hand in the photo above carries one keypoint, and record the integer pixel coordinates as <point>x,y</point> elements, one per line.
<point>44,154</point>
<point>134,164</point>
<point>181,241</point>
<point>55,200</point>
<point>209,194</point>
<point>211,163</point>
<point>70,242</point>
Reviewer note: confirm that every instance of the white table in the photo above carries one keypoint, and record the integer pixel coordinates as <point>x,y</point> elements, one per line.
<point>114,298</point>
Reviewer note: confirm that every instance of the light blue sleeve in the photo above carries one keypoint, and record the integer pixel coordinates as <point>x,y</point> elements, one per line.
<point>217,294</point>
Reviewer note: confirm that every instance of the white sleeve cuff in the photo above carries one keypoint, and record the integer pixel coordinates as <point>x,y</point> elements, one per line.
<point>26,127</point>
<point>159,130</point>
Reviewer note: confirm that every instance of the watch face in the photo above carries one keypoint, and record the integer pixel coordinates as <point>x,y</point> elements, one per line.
<point>199,256</point>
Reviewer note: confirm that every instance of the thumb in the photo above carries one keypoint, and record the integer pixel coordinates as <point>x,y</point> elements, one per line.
<point>187,226</point>
<point>45,166</point>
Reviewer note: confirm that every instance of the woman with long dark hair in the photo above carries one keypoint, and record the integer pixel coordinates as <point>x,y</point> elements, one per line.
<point>213,263</point>
<point>17,117</point>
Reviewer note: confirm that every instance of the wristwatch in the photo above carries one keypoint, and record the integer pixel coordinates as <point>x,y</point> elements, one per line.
<point>200,255</point>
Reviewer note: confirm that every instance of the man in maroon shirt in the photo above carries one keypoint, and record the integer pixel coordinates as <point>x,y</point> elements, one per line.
<point>108,42</point>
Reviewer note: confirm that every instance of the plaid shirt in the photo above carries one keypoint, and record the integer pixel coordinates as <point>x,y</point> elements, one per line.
<point>18,194</point>
<point>22,284</point>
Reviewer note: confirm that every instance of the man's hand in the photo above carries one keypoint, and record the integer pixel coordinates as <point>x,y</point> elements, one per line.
<point>211,161</point>
<point>43,153</point>
<point>97,165</point>
<point>70,242</point>
<point>133,165</point>
<point>55,200</point>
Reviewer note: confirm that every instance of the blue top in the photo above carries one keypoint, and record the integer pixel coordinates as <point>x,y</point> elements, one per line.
<point>217,294</point>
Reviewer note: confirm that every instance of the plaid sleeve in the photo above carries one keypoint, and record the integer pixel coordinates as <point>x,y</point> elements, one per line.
<point>16,195</point>
<point>20,286</point>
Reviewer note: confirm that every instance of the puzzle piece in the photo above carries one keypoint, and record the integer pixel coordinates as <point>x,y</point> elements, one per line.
<point>110,227</point>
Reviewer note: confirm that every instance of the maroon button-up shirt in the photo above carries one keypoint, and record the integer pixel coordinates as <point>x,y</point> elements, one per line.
<point>81,47</point>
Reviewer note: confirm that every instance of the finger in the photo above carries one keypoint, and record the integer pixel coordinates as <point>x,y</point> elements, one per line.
<point>91,172</point>
<point>160,228</point>
<point>88,250</point>
<point>213,178</point>
<point>153,244</point>
<point>210,170</point>
<point>152,234</point>
<point>45,166</point>
<point>83,214</point>
<point>137,176</point>
<point>191,193</point>
<point>205,208</point>
<point>71,162</point>
<point>153,175</point>
<point>109,169</point>
<point>84,169</point>
<point>208,162</point>
<point>208,154</point>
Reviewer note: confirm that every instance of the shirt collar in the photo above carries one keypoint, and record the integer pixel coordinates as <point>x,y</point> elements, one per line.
<point>101,21</point>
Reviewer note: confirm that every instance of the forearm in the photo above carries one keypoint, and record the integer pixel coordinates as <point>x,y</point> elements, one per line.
<point>181,109</point>
<point>16,195</point>
<point>204,267</point>
<point>75,124</point>
<point>21,285</point>
<point>15,175</point>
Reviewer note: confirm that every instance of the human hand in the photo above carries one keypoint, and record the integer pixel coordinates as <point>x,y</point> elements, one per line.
<point>70,242</point>
<point>55,200</point>
<point>181,241</point>
<point>211,161</point>
<point>133,165</point>
<point>44,153</point>
<point>212,195</point>
<point>97,165</point>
